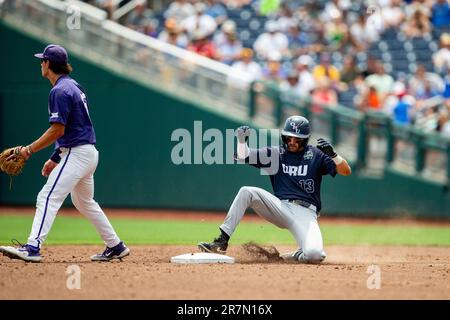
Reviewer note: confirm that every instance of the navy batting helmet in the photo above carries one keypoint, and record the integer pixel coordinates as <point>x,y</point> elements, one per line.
<point>296,126</point>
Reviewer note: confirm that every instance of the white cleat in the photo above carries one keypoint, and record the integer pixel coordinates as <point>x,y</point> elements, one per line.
<point>22,253</point>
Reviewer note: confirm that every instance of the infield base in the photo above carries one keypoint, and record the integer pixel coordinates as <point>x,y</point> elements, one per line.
<point>201,257</point>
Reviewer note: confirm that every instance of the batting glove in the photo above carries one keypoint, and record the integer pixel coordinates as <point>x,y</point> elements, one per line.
<point>326,147</point>
<point>243,133</point>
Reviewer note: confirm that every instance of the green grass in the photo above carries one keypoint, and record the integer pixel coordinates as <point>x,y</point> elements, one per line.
<point>78,230</point>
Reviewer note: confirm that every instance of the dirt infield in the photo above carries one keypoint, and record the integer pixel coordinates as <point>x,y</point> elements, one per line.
<point>406,273</point>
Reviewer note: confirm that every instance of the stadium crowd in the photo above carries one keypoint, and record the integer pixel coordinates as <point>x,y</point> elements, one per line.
<point>321,49</point>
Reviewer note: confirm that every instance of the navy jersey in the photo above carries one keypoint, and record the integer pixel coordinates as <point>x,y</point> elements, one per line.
<point>67,104</point>
<point>298,175</point>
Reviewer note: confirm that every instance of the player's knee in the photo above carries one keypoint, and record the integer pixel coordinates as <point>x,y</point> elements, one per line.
<point>75,201</point>
<point>313,255</point>
<point>245,192</point>
<point>42,198</point>
<point>83,205</point>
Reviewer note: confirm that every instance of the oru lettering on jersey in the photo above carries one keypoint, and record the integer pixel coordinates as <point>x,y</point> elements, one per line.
<point>297,171</point>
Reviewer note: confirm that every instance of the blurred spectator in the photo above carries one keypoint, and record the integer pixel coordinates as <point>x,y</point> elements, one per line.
<point>217,11</point>
<point>440,14</point>
<point>291,86</point>
<point>334,8</point>
<point>305,78</point>
<point>446,93</point>
<point>423,5</point>
<point>298,41</point>
<point>199,21</point>
<point>441,59</point>
<point>427,119</point>
<point>381,83</point>
<point>374,24</point>
<point>202,45</point>
<point>362,34</point>
<point>273,71</point>
<point>271,41</point>
<point>373,101</point>
<point>180,10</point>
<point>172,34</point>
<point>336,31</point>
<point>402,109</point>
<point>150,28</point>
<point>286,17</point>
<point>425,84</point>
<point>323,95</point>
<point>399,89</point>
<point>140,17</point>
<point>325,70</point>
<point>417,25</point>
<point>349,70</point>
<point>371,67</point>
<point>248,67</point>
<point>230,49</point>
<point>220,37</point>
<point>393,14</point>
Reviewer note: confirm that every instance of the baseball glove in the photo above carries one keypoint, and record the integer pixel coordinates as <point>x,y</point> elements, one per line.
<point>11,161</point>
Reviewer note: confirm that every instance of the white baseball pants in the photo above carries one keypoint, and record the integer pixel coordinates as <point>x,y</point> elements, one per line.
<point>300,221</point>
<point>75,175</point>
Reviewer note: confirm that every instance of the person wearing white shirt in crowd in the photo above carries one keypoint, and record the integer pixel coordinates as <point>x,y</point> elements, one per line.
<point>220,37</point>
<point>422,79</point>
<point>334,7</point>
<point>441,59</point>
<point>180,10</point>
<point>247,69</point>
<point>199,21</point>
<point>173,35</point>
<point>271,40</point>
<point>393,14</point>
<point>306,82</point>
<point>230,49</point>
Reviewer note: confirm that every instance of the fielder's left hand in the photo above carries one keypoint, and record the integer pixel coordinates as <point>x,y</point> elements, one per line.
<point>326,147</point>
<point>48,167</point>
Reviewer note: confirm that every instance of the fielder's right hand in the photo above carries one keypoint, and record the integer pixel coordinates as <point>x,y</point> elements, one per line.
<point>243,132</point>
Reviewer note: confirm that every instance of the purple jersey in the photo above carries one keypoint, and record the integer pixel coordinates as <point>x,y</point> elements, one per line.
<point>299,175</point>
<point>68,105</point>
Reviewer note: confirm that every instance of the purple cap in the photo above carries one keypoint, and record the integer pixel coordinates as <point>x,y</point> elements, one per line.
<point>54,53</point>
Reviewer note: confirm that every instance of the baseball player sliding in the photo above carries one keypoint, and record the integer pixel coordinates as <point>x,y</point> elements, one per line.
<point>72,165</point>
<point>296,183</point>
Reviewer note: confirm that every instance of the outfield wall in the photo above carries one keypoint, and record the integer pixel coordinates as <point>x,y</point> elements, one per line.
<point>134,126</point>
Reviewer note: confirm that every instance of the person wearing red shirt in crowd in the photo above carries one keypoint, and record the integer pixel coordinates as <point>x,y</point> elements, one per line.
<point>202,45</point>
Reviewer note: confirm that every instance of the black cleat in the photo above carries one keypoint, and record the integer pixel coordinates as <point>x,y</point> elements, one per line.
<point>219,245</point>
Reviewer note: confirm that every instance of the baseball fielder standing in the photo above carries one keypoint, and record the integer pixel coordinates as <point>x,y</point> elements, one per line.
<point>72,165</point>
<point>296,182</point>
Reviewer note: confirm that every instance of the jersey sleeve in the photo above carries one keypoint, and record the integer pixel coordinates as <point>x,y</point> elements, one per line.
<point>59,106</point>
<point>328,166</point>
